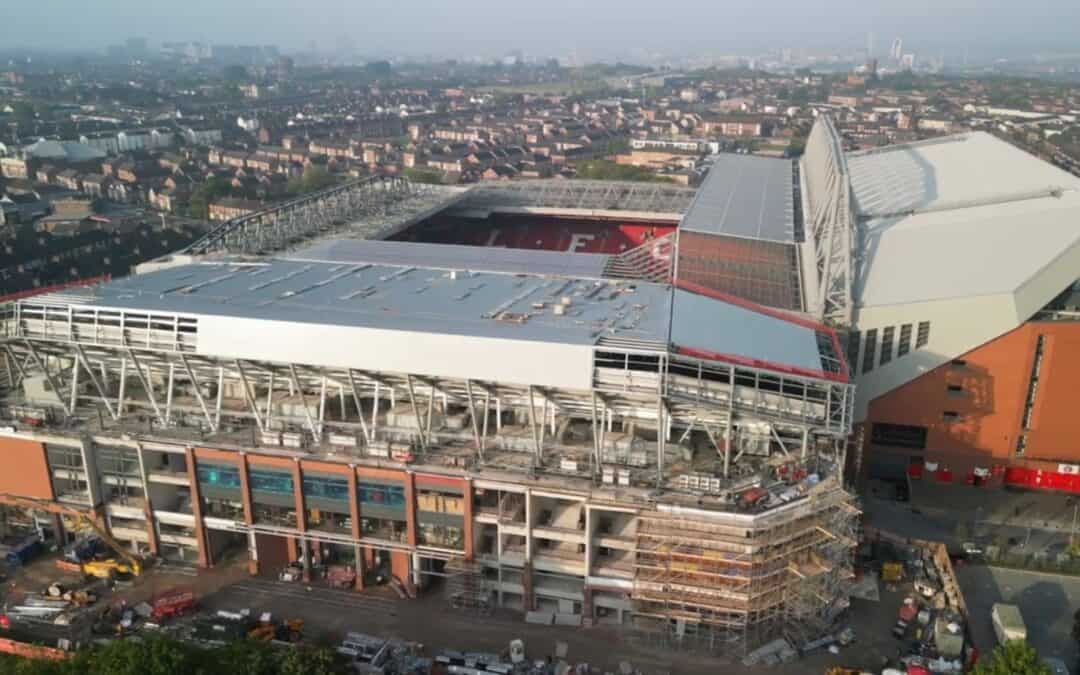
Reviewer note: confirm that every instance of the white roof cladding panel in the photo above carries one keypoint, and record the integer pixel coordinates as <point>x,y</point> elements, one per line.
<point>511,361</point>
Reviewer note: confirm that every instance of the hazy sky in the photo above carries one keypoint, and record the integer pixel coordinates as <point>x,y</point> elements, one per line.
<point>547,27</point>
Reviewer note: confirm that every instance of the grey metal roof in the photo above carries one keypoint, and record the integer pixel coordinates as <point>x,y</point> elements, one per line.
<point>453,257</point>
<point>745,196</point>
<point>404,298</point>
<point>455,302</point>
<point>590,195</point>
<point>702,323</point>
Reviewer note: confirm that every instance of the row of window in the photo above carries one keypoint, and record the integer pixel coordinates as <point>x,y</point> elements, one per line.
<point>320,487</point>
<point>877,352</point>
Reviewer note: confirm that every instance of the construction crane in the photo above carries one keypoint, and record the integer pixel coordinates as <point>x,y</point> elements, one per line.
<point>128,563</point>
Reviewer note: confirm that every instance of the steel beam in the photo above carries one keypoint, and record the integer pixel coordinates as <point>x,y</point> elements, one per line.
<point>315,431</point>
<point>81,356</point>
<point>198,393</point>
<point>249,395</point>
<point>48,376</point>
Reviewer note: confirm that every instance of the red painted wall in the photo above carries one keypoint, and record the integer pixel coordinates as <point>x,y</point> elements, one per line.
<point>995,379</point>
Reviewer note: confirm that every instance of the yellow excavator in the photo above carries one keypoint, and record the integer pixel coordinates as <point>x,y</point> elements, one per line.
<point>124,561</point>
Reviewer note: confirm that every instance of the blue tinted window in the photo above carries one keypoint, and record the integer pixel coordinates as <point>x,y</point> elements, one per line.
<point>277,482</point>
<point>383,495</point>
<point>219,475</point>
<point>326,488</point>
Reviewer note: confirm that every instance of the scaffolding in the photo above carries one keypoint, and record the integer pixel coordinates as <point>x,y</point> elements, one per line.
<point>728,582</point>
<point>466,587</point>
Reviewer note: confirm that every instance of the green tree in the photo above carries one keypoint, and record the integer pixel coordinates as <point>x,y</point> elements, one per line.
<point>160,655</point>
<point>428,176</point>
<point>602,169</point>
<point>1015,657</point>
<point>307,661</point>
<point>314,178</point>
<point>153,655</point>
<point>617,147</point>
<point>205,194</point>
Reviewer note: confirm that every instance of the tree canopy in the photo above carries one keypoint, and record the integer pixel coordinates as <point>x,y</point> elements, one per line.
<point>157,655</point>
<point>602,169</point>
<point>418,175</point>
<point>314,178</point>
<point>1015,657</point>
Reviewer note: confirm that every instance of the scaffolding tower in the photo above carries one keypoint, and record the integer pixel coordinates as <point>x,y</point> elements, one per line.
<point>466,587</point>
<point>729,582</point>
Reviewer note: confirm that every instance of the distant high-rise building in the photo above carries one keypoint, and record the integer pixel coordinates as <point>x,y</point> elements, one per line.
<point>907,61</point>
<point>870,45</point>
<point>897,50</point>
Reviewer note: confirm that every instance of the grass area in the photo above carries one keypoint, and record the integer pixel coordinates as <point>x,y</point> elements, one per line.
<point>603,169</point>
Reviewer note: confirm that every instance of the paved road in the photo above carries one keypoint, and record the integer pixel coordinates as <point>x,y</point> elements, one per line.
<point>329,614</point>
<point>1047,602</point>
<point>940,524</point>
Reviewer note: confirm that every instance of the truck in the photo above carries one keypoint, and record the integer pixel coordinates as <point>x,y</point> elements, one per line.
<point>1008,622</point>
<point>170,603</point>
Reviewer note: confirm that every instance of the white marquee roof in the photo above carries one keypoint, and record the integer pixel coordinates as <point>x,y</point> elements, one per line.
<point>963,216</point>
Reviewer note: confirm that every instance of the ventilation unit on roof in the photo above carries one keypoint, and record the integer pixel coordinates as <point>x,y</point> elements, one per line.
<point>513,317</point>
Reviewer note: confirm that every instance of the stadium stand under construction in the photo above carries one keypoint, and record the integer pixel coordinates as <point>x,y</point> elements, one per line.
<point>630,408</point>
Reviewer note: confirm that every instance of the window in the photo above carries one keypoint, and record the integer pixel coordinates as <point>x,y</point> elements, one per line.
<point>954,389</point>
<point>958,363</point>
<point>1021,445</point>
<point>923,337</point>
<point>887,344</point>
<point>950,416</point>
<point>326,487</point>
<point>277,482</point>
<point>444,536</point>
<point>904,346</point>
<point>218,475</point>
<point>868,350</point>
<point>1033,382</point>
<point>898,435</point>
<point>853,349</point>
<point>382,495</point>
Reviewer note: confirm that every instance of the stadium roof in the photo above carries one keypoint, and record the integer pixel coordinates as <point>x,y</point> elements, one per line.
<point>745,196</point>
<point>732,330</point>
<point>961,216</point>
<point>455,257</point>
<point>396,298</point>
<point>289,305</point>
<point>579,197</point>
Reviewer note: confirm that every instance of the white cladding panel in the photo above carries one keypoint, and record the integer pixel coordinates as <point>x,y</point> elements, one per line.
<point>433,354</point>
<point>956,327</point>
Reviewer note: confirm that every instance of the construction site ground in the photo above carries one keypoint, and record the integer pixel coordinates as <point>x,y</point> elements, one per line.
<point>329,614</point>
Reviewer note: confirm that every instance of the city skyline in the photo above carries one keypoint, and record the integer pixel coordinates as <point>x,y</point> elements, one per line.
<point>487,28</point>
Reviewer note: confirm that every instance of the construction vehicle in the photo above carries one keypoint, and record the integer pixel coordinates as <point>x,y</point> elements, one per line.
<point>170,603</point>
<point>892,572</point>
<point>124,563</point>
<point>289,630</point>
